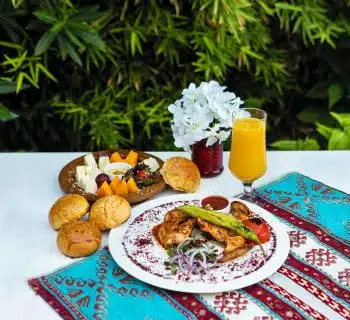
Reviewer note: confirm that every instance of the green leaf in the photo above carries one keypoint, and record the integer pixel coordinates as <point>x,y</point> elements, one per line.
<point>324,130</point>
<point>86,14</point>
<point>11,45</point>
<point>73,38</point>
<point>342,118</point>
<point>300,144</point>
<point>45,42</point>
<point>46,17</point>
<point>319,91</point>
<point>72,53</point>
<point>9,86</point>
<point>287,6</point>
<point>253,102</point>
<point>268,10</point>
<point>20,82</point>
<point>58,26</point>
<point>339,140</point>
<point>40,67</point>
<point>335,93</point>
<point>89,37</point>
<point>62,46</point>
<point>285,145</point>
<point>314,114</point>
<point>308,144</point>
<point>134,42</point>
<point>5,114</point>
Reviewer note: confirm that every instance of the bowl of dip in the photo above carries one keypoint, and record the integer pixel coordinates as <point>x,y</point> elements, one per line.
<point>117,169</point>
<point>216,203</point>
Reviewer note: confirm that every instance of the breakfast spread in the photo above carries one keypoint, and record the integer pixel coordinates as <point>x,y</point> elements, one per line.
<point>181,174</point>
<point>68,208</point>
<point>115,174</point>
<point>197,239</point>
<point>79,239</point>
<point>109,212</point>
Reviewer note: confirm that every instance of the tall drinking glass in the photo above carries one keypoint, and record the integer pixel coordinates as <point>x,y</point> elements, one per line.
<point>248,147</point>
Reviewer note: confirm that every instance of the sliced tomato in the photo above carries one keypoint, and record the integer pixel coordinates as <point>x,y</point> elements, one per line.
<point>261,229</point>
<point>142,174</point>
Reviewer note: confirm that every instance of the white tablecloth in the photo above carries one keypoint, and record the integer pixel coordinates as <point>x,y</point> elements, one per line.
<point>29,186</point>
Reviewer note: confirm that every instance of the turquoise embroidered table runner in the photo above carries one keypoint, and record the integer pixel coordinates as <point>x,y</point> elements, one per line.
<point>312,284</point>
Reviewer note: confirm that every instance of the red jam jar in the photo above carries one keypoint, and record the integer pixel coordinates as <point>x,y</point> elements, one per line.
<point>208,158</point>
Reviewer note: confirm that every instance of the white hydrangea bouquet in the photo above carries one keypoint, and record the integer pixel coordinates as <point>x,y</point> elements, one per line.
<point>203,112</point>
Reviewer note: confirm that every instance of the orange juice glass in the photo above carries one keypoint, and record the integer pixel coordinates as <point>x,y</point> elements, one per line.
<point>248,147</point>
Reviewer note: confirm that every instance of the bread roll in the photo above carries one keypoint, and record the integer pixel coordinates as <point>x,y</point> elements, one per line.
<point>78,239</point>
<point>110,212</point>
<point>181,174</point>
<point>68,208</point>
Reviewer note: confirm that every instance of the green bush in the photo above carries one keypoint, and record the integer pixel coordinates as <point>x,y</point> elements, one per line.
<point>84,75</point>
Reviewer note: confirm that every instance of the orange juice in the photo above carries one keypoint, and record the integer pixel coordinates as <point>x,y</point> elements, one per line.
<point>248,149</point>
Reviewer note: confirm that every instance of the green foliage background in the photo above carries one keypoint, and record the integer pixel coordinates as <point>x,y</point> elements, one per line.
<point>83,75</point>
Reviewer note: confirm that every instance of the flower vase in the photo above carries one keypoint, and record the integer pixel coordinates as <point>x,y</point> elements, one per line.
<point>208,158</point>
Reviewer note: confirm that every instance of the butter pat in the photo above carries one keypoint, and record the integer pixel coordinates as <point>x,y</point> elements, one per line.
<point>103,162</point>
<point>79,173</point>
<point>89,160</point>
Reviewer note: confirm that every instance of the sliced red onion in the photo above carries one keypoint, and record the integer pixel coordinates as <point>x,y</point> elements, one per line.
<point>194,260</point>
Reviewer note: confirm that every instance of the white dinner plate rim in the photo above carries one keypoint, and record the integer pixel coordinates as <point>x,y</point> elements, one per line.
<point>271,266</point>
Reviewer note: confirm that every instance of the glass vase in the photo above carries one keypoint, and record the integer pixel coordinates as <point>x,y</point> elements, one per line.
<point>208,158</point>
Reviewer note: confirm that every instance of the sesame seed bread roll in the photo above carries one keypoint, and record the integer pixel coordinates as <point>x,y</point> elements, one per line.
<point>181,174</point>
<point>67,208</point>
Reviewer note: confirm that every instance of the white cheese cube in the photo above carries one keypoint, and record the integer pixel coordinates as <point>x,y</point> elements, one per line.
<point>79,173</point>
<point>103,162</point>
<point>83,181</point>
<point>91,186</point>
<point>94,173</point>
<point>88,170</point>
<point>152,163</point>
<point>89,160</point>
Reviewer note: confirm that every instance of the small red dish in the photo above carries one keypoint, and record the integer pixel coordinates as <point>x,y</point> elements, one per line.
<point>217,203</point>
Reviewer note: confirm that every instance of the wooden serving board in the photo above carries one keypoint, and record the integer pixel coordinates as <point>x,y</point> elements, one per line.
<point>68,184</point>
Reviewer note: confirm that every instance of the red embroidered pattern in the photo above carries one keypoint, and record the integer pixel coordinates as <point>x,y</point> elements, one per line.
<point>296,301</point>
<point>320,257</point>
<point>278,306</point>
<point>305,225</point>
<point>315,291</point>
<point>198,308</point>
<point>230,302</point>
<point>318,276</point>
<point>344,277</point>
<point>50,299</point>
<point>297,238</point>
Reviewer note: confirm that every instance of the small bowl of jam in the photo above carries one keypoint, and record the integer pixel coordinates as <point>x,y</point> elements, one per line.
<point>216,203</point>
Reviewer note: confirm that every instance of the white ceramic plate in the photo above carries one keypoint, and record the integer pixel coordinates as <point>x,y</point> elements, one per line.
<point>136,251</point>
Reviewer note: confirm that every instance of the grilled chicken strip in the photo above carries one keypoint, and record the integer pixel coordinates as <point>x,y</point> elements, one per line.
<point>240,211</point>
<point>174,230</point>
<point>233,254</point>
<point>176,215</point>
<point>232,241</point>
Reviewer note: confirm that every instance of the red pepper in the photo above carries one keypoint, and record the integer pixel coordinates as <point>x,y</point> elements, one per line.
<point>262,230</point>
<point>143,174</point>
